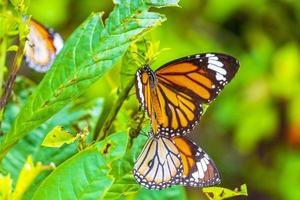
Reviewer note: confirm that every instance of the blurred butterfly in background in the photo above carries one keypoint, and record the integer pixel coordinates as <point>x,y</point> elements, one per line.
<point>167,161</point>
<point>173,97</point>
<point>42,46</point>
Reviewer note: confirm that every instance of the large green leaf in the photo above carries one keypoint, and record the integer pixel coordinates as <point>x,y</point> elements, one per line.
<point>31,144</point>
<point>125,184</point>
<point>82,116</point>
<point>85,175</point>
<point>90,51</point>
<point>173,193</point>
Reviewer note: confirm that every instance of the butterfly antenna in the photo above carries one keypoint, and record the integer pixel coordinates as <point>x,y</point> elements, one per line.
<point>141,59</point>
<point>146,50</point>
<point>145,43</point>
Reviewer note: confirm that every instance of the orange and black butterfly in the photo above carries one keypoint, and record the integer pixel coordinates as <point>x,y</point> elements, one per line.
<point>42,46</point>
<point>173,95</point>
<point>167,161</point>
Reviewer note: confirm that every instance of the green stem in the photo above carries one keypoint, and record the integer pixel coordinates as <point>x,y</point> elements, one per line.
<point>104,131</point>
<point>107,105</point>
<point>3,47</point>
<point>12,77</point>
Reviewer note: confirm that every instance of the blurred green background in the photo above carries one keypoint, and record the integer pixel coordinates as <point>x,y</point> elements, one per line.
<point>252,130</point>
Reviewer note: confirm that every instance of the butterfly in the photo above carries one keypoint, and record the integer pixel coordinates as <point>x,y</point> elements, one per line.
<point>174,94</point>
<point>41,47</point>
<point>167,161</point>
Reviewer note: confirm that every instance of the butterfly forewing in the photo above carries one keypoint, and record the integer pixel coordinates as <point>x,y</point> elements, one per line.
<point>202,76</point>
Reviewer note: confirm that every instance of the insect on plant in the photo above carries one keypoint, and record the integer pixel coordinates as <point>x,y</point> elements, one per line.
<point>78,133</point>
<point>173,97</point>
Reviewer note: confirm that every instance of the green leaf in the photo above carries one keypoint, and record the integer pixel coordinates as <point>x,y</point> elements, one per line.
<point>84,115</point>
<point>5,187</point>
<point>219,193</point>
<point>124,183</point>
<point>28,173</point>
<point>173,193</point>
<point>85,175</point>
<point>31,144</point>
<point>57,137</point>
<point>89,52</point>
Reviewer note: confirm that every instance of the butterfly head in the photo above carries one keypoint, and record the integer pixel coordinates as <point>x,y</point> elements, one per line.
<point>146,73</point>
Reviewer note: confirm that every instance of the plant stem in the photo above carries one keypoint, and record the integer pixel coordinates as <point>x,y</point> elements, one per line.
<point>107,105</point>
<point>104,131</point>
<point>3,47</point>
<point>12,77</point>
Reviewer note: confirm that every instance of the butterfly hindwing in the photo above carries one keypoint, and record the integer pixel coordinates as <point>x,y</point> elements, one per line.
<point>159,165</point>
<point>198,169</point>
<point>171,161</point>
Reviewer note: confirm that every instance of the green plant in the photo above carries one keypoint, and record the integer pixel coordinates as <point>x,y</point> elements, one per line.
<point>97,162</point>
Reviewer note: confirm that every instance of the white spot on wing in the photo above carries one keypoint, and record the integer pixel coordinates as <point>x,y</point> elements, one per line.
<point>215,62</point>
<point>195,175</point>
<point>220,77</point>
<point>209,55</point>
<point>217,69</point>
<point>203,164</point>
<point>216,66</point>
<point>206,161</point>
<point>200,170</point>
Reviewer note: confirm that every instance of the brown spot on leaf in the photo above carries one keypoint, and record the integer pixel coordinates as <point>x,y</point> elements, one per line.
<point>105,150</point>
<point>72,81</point>
<point>45,104</point>
<point>222,193</point>
<point>211,194</point>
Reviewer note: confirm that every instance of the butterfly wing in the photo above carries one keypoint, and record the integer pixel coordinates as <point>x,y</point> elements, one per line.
<point>183,85</point>
<point>202,76</point>
<point>171,161</point>
<point>159,165</point>
<point>41,47</point>
<point>198,169</point>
